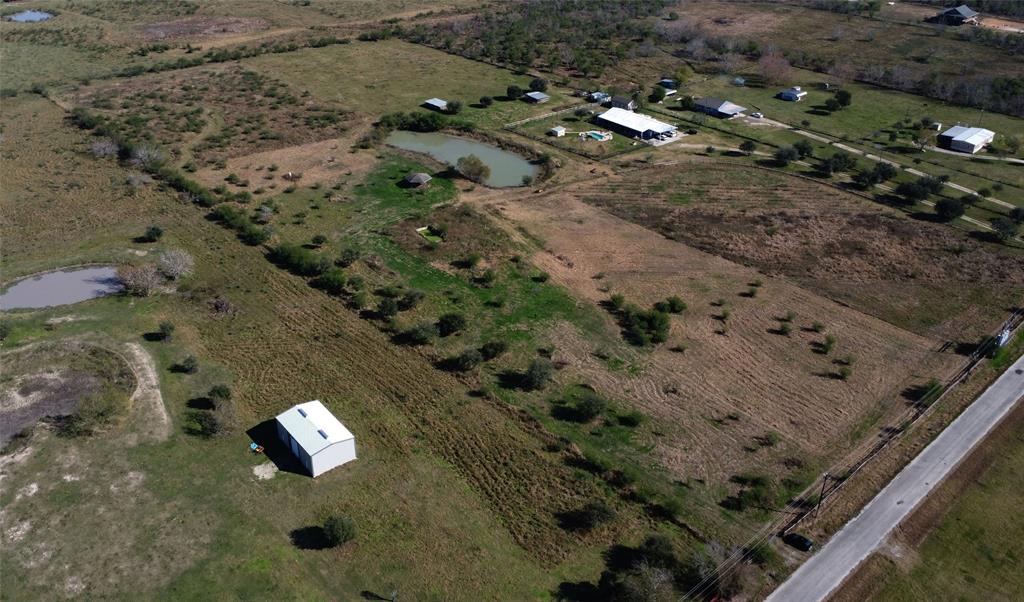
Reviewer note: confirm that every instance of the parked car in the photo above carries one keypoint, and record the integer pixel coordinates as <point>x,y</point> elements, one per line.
<point>799,542</point>
<point>757,115</point>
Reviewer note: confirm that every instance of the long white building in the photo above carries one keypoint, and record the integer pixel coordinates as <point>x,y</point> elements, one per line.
<point>635,125</point>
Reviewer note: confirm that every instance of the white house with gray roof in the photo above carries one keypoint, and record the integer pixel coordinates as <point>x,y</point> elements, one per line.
<point>315,437</point>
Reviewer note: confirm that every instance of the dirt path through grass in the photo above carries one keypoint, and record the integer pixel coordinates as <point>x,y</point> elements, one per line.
<point>147,401</point>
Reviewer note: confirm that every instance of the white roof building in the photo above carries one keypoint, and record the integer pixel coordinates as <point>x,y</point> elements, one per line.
<point>316,437</point>
<point>966,139</point>
<point>558,131</point>
<point>635,124</point>
<point>436,103</point>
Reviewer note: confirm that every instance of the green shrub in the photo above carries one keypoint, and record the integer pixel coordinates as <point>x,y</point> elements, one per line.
<point>537,374</point>
<point>493,349</point>
<point>450,323</point>
<point>332,281</point>
<point>339,530</point>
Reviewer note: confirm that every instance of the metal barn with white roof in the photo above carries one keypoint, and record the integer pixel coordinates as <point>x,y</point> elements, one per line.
<point>316,437</point>
<point>636,125</point>
<point>966,139</point>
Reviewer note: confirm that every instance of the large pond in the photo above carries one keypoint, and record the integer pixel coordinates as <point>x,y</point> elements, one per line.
<point>507,169</point>
<point>30,16</point>
<point>60,288</point>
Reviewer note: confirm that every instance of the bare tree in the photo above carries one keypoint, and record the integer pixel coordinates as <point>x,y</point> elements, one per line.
<point>147,156</point>
<point>775,69</point>
<point>175,263</point>
<point>139,280</point>
<point>104,147</point>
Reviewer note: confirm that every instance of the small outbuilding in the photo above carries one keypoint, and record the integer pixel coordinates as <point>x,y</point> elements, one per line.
<point>598,96</point>
<point>717,107</point>
<point>636,125</point>
<point>315,437</point>
<point>557,131</point>
<point>794,94</point>
<point>536,97</point>
<point>739,81</point>
<point>965,139</point>
<point>623,102</point>
<point>957,15</point>
<point>436,104</point>
<point>416,179</point>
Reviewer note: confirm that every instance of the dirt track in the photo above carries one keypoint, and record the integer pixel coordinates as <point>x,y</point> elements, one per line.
<point>147,401</point>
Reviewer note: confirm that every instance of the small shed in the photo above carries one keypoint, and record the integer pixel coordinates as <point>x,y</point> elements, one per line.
<point>598,96</point>
<point>416,179</point>
<point>623,102</point>
<point>315,437</point>
<point>536,97</point>
<point>668,83</point>
<point>739,81</point>
<point>965,139</point>
<point>437,104</point>
<point>557,131</point>
<point>794,94</point>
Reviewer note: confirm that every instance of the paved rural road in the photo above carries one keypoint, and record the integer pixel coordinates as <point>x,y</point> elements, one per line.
<point>824,571</point>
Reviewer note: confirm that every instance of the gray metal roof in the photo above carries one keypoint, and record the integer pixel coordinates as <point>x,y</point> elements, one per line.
<point>963,10</point>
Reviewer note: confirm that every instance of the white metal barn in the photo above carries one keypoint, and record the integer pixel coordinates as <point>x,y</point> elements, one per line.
<point>316,437</point>
<point>966,139</point>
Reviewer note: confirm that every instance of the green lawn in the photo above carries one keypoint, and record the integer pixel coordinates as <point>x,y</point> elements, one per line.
<point>872,109</point>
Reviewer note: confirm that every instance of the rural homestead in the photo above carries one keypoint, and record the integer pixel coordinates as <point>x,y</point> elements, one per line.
<point>539,300</point>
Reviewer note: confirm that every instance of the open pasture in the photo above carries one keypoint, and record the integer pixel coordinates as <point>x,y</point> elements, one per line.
<point>918,275</point>
<point>375,78</point>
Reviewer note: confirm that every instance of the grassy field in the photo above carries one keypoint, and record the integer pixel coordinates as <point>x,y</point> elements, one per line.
<point>873,109</point>
<point>420,490</point>
<point>375,78</point>
<point>857,41</point>
<point>777,229</point>
<point>468,481</point>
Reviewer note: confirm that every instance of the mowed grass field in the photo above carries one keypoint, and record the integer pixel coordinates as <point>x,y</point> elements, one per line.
<point>375,78</point>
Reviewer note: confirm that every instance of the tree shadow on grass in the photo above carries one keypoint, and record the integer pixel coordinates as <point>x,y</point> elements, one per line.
<point>200,403</point>
<point>265,434</point>
<point>310,538</point>
<point>510,379</point>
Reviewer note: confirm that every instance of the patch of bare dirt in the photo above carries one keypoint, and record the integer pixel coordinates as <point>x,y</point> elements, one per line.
<point>265,471</point>
<point>325,161</point>
<point>194,27</point>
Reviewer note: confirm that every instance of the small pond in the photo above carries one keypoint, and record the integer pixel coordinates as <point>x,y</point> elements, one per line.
<point>507,169</point>
<point>30,16</point>
<point>60,288</point>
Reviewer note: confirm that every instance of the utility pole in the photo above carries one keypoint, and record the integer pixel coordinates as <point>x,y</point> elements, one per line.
<point>824,481</point>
